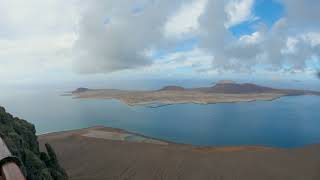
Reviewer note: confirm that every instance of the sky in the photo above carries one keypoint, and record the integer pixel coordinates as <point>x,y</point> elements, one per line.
<point>57,42</point>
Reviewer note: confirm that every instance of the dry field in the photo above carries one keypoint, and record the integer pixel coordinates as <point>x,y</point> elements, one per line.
<point>104,154</point>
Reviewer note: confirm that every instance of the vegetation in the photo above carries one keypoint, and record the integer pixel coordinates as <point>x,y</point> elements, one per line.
<point>20,137</point>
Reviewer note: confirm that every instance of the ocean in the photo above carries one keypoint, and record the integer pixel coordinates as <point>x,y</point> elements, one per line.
<point>286,122</point>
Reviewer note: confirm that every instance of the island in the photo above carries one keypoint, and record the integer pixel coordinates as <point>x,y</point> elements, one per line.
<point>225,91</point>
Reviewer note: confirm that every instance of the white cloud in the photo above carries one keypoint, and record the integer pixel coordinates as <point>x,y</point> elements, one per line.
<point>239,11</point>
<point>26,58</point>
<point>120,44</point>
<point>186,19</point>
<point>36,38</point>
<point>184,64</point>
<point>41,39</point>
<point>291,46</point>
<point>194,59</point>
<point>269,47</point>
<point>253,38</point>
<point>313,38</point>
<point>20,19</point>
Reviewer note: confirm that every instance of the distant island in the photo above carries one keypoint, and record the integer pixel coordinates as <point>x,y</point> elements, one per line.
<point>225,91</point>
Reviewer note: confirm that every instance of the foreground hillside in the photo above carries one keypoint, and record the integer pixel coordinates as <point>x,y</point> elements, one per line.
<point>104,153</point>
<point>20,137</point>
<point>222,92</point>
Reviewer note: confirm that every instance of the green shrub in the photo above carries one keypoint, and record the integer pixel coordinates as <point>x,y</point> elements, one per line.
<point>20,137</point>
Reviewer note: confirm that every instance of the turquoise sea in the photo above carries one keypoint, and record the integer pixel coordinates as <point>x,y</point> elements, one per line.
<point>285,122</point>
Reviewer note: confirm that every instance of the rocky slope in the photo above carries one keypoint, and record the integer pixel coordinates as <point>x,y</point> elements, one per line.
<point>20,137</point>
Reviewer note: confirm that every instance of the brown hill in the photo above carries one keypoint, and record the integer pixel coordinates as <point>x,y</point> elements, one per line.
<point>234,88</point>
<point>172,88</point>
<point>249,88</point>
<point>80,90</point>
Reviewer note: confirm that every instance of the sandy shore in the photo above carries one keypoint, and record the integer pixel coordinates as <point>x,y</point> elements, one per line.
<point>100,153</point>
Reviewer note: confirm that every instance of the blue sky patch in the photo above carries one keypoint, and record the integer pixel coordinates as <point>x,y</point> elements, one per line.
<point>268,12</point>
<point>243,29</point>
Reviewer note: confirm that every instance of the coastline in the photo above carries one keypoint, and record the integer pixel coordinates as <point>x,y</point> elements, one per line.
<point>104,158</point>
<point>161,103</point>
<point>83,131</point>
<point>222,92</point>
<point>151,104</point>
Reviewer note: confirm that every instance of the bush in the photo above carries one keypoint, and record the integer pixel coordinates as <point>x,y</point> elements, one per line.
<point>20,137</point>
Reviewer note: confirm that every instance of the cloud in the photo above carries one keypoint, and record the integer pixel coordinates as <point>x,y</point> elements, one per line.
<point>53,36</point>
<point>22,19</point>
<point>253,38</point>
<point>194,59</point>
<point>185,20</point>
<point>302,13</point>
<point>284,45</point>
<point>216,38</point>
<point>36,39</point>
<point>184,64</point>
<point>133,28</point>
<point>239,11</point>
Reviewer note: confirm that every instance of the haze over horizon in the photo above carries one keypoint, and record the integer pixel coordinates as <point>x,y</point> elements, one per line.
<point>56,42</point>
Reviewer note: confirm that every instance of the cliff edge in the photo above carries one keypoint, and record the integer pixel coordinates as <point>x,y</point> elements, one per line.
<point>20,137</point>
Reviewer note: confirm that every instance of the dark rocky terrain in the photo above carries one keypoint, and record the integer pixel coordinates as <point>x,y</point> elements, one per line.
<point>20,137</point>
